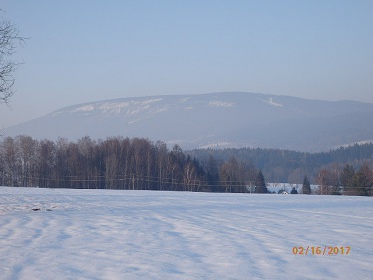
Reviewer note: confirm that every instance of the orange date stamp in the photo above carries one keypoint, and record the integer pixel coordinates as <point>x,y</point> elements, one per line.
<point>321,250</point>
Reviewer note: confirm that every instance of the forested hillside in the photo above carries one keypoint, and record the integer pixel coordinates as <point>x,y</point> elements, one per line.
<point>290,166</point>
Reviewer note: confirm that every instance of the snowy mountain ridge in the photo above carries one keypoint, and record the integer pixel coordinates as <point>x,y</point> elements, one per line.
<point>215,120</point>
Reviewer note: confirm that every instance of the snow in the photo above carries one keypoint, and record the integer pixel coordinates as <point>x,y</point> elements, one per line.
<point>230,117</point>
<point>360,143</point>
<point>116,107</point>
<point>183,100</point>
<point>271,102</point>
<point>113,107</point>
<point>86,108</point>
<point>275,187</point>
<point>217,103</point>
<point>107,234</point>
<point>219,145</point>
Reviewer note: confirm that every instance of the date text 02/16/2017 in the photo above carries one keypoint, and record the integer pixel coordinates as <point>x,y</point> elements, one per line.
<point>321,250</point>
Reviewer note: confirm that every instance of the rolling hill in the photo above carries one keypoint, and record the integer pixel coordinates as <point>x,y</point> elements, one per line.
<point>218,120</point>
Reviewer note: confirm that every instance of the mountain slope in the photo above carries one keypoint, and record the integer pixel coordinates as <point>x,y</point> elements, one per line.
<point>212,120</point>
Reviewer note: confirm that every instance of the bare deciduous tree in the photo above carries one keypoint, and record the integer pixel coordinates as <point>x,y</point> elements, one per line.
<point>9,39</point>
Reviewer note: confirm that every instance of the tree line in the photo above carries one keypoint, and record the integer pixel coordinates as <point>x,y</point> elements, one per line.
<point>118,163</point>
<point>347,170</point>
<point>347,181</point>
<point>139,164</point>
<point>291,166</point>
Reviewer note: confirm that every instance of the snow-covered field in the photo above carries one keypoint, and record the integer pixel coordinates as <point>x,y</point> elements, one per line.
<point>103,234</point>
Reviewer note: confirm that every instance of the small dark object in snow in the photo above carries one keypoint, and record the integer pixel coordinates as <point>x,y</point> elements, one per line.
<point>35,209</point>
<point>49,209</point>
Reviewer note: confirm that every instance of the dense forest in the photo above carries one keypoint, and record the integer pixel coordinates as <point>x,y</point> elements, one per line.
<point>116,163</point>
<point>139,164</point>
<point>291,166</point>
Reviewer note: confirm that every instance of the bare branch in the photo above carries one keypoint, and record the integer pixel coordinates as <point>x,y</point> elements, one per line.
<point>9,40</point>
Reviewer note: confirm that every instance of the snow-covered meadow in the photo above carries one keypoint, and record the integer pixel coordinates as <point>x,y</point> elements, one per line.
<point>107,234</point>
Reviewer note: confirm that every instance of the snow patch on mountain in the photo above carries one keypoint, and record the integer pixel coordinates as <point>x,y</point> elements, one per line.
<point>219,145</point>
<point>183,100</point>
<point>161,109</point>
<point>220,104</point>
<point>152,100</point>
<point>86,108</point>
<point>236,119</point>
<point>113,107</point>
<point>360,143</point>
<point>271,102</point>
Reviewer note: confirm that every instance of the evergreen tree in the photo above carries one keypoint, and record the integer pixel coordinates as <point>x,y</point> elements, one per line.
<point>347,176</point>
<point>360,185</point>
<point>260,183</point>
<point>294,191</point>
<point>306,188</point>
<point>213,174</point>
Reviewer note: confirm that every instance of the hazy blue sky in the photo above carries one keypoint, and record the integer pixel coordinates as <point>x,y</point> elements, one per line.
<point>84,50</point>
